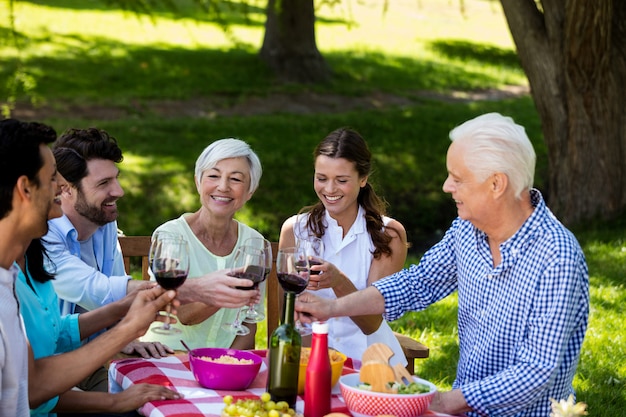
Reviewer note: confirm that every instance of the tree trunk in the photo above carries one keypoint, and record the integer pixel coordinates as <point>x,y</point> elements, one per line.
<point>574,57</point>
<point>289,46</point>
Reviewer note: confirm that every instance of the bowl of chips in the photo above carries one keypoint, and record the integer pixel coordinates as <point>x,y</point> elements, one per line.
<point>224,369</point>
<point>337,359</point>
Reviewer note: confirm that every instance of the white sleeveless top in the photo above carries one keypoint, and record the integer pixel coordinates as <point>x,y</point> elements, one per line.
<point>353,256</point>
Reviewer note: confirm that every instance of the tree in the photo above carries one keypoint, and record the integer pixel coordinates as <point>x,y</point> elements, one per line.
<point>574,55</point>
<point>289,46</point>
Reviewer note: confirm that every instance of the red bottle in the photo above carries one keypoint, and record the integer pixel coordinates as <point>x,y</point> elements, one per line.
<point>318,374</point>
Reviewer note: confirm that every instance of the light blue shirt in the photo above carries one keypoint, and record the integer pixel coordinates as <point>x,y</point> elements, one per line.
<point>47,331</point>
<point>77,282</point>
<point>521,323</point>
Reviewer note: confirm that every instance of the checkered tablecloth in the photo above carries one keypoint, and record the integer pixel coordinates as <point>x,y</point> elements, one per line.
<point>174,371</point>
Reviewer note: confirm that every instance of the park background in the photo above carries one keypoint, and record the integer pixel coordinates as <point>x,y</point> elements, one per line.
<point>169,82</point>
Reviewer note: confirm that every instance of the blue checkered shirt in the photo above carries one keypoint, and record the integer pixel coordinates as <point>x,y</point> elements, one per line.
<point>521,323</point>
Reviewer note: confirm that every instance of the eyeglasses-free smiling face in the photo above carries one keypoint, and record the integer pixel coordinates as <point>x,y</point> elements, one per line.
<point>225,187</point>
<point>96,198</point>
<point>337,184</point>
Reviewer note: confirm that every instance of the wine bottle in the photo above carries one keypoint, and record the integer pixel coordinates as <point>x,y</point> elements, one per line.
<point>284,362</point>
<point>318,374</point>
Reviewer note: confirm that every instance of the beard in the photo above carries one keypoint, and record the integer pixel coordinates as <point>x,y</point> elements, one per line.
<point>93,213</point>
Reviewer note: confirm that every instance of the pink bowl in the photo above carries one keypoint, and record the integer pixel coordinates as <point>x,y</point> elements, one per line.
<point>364,403</point>
<point>224,376</point>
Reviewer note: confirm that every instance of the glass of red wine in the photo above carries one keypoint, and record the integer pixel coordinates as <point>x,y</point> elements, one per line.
<point>253,314</point>
<point>248,263</point>
<point>314,247</point>
<point>169,263</point>
<point>292,269</point>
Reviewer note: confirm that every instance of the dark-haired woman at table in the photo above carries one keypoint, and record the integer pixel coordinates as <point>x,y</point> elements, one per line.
<point>361,244</point>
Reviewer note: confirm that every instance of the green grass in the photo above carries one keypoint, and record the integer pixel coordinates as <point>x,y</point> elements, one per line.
<point>82,53</point>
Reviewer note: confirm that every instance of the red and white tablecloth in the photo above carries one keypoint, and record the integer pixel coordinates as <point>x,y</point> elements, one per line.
<point>174,371</point>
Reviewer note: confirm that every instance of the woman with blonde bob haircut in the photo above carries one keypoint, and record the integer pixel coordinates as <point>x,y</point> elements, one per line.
<point>227,174</point>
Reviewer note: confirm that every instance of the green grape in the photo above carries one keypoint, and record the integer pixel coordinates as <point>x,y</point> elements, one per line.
<point>231,409</point>
<point>263,407</point>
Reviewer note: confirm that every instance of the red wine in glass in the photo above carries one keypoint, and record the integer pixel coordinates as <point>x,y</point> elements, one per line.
<point>169,263</point>
<point>293,271</point>
<point>292,283</point>
<point>248,263</point>
<point>170,279</point>
<point>254,273</point>
<point>254,313</point>
<point>313,261</point>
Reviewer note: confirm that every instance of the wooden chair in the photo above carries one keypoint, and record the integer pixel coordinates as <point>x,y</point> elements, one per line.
<point>139,246</point>
<point>136,247</point>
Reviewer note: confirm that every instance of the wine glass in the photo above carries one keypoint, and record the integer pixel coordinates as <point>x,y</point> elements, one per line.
<point>169,263</point>
<point>314,247</point>
<point>249,263</point>
<point>253,315</point>
<point>292,269</point>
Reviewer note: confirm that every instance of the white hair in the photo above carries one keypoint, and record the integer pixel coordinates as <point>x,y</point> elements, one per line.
<point>225,149</point>
<point>497,144</point>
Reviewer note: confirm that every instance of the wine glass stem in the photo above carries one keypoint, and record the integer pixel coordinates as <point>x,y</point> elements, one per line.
<point>168,309</point>
<point>237,322</point>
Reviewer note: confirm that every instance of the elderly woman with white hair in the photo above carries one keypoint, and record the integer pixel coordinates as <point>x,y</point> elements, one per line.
<point>227,174</point>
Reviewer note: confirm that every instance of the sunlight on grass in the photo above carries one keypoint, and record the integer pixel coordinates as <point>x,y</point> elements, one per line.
<point>120,26</point>
<point>408,23</point>
<point>183,55</point>
<point>404,31</point>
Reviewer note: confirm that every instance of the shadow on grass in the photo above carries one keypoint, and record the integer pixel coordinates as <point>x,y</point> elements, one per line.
<point>603,243</point>
<point>100,69</point>
<point>471,51</point>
